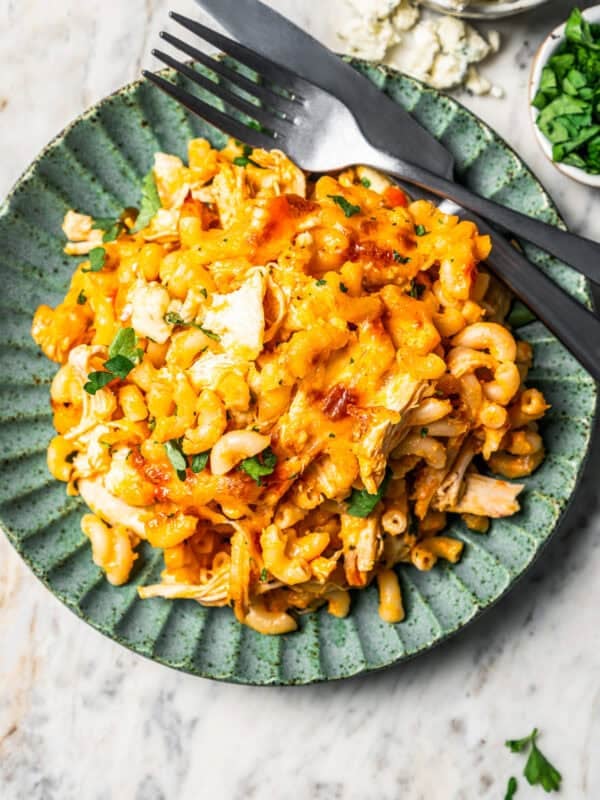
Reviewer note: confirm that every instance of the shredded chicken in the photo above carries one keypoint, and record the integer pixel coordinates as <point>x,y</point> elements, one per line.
<point>488,497</point>
<point>112,509</point>
<point>215,592</point>
<point>449,490</point>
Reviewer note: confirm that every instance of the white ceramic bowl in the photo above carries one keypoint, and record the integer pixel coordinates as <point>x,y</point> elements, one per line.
<point>548,47</point>
<point>480,9</point>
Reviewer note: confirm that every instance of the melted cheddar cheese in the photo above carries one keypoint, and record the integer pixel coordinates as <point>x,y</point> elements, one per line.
<point>283,381</point>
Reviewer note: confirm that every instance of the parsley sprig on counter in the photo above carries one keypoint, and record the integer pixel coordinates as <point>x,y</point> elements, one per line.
<point>568,97</point>
<point>511,788</point>
<point>538,770</point>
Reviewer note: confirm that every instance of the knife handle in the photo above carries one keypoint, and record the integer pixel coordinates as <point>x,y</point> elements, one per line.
<point>573,324</point>
<point>578,252</point>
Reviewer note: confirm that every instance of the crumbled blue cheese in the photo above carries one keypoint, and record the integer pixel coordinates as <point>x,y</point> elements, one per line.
<point>405,16</point>
<point>416,52</point>
<point>438,50</point>
<point>368,38</point>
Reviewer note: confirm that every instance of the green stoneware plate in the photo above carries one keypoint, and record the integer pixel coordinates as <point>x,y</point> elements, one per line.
<point>96,165</point>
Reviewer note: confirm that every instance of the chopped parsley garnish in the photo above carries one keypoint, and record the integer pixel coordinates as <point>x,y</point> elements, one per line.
<point>199,461</point>
<point>365,182</point>
<point>538,770</point>
<point>123,355</point>
<point>361,503</point>
<point>244,160</point>
<point>176,457</point>
<point>263,575</point>
<point>125,344</point>
<point>173,318</point>
<point>518,745</point>
<point>262,464</point>
<point>581,32</point>
<point>424,432</point>
<point>416,289</point>
<point>420,230</point>
<point>97,380</point>
<point>567,98</point>
<point>511,788</point>
<point>97,256</point>
<point>399,258</point>
<point>343,288</point>
<point>103,223</point>
<point>348,208</point>
<point>203,292</point>
<point>519,315</point>
<point>112,227</point>
<point>321,282</point>
<point>119,366</point>
<point>81,298</point>
<point>331,435</point>
<point>150,203</point>
<point>209,333</point>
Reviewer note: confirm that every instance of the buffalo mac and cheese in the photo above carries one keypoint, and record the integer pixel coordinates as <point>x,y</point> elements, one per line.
<point>286,382</point>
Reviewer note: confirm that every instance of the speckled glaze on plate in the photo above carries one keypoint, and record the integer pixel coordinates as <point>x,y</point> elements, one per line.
<point>96,166</point>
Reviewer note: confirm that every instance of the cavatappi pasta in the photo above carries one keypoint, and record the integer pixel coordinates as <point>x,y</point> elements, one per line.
<point>284,382</point>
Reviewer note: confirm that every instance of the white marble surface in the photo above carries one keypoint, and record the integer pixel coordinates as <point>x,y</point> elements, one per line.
<point>81,718</point>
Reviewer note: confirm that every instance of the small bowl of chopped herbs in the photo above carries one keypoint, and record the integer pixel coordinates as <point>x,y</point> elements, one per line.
<point>565,96</point>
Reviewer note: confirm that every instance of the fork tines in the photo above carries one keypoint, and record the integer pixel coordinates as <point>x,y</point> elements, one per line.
<point>253,110</point>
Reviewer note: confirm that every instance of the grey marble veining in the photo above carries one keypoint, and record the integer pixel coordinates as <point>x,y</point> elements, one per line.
<point>83,719</point>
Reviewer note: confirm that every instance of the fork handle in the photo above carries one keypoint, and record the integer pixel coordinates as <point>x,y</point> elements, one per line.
<point>576,251</point>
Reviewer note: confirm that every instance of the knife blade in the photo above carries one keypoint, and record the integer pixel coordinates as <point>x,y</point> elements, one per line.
<point>383,122</point>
